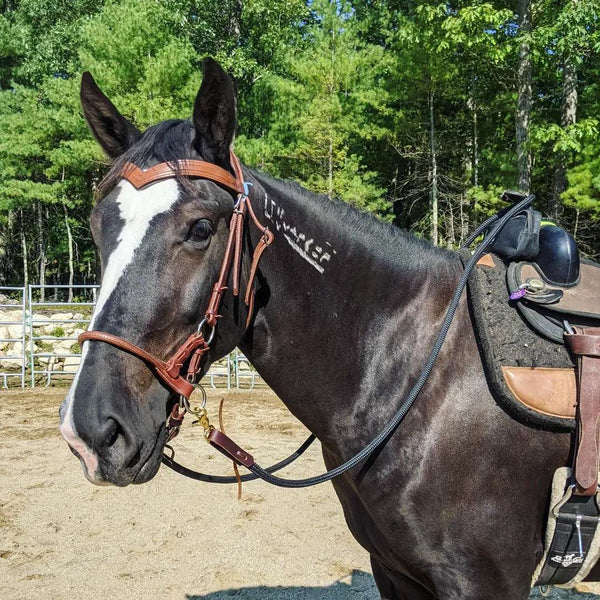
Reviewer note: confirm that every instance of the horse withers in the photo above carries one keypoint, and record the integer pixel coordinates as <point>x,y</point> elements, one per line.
<point>345,310</point>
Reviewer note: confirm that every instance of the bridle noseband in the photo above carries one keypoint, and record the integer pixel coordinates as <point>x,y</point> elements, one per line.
<point>171,371</point>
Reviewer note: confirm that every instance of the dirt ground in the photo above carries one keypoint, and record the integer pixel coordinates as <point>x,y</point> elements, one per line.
<point>62,538</point>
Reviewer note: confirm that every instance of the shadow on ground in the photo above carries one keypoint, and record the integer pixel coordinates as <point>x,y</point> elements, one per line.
<point>361,586</point>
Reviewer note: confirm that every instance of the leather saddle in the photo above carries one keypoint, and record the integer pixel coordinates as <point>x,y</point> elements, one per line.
<point>547,361</point>
<point>546,306</point>
<point>569,314</point>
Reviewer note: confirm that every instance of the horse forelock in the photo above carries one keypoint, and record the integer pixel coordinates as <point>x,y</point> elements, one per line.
<point>166,142</point>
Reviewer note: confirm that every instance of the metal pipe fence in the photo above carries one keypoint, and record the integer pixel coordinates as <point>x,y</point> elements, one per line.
<point>39,327</point>
<point>51,339</point>
<point>12,335</point>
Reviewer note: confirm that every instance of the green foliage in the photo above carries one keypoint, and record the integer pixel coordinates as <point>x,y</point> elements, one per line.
<point>325,110</point>
<point>44,347</point>
<point>583,193</point>
<point>353,99</point>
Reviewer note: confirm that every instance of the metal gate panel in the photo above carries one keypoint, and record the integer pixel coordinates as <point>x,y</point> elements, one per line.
<point>48,362</point>
<point>42,357</point>
<point>12,331</point>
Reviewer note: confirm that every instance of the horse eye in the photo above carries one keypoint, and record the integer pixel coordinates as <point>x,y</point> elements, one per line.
<point>200,231</point>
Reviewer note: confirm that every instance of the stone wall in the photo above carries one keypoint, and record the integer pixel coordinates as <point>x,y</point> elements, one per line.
<point>44,325</point>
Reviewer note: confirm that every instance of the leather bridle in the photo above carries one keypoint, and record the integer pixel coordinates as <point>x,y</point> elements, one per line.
<point>173,371</point>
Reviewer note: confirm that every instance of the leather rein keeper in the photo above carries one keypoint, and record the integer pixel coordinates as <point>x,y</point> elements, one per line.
<point>172,371</point>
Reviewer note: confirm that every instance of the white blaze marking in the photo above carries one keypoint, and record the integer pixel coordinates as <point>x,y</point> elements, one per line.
<point>136,208</point>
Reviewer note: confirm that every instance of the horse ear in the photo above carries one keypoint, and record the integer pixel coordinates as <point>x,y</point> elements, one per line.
<point>112,131</point>
<point>214,114</point>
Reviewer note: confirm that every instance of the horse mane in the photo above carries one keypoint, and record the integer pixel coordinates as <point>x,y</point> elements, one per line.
<point>171,140</point>
<point>384,239</point>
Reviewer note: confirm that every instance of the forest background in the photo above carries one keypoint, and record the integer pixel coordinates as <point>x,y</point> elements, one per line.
<point>420,112</point>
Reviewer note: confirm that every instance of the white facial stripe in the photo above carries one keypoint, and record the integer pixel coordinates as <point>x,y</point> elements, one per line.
<point>137,208</point>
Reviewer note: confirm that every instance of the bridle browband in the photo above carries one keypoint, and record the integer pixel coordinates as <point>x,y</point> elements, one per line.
<point>188,168</point>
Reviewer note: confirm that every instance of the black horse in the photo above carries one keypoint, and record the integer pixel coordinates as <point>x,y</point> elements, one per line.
<point>346,311</point>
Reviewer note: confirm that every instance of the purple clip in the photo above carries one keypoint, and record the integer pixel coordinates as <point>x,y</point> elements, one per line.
<point>518,294</point>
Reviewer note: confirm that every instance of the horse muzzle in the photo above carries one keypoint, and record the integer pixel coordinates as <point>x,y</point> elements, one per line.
<point>111,451</point>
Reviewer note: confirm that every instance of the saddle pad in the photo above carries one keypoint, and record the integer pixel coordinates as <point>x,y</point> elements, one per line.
<point>530,377</point>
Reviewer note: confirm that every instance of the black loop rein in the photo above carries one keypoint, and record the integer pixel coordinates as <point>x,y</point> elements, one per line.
<point>379,441</point>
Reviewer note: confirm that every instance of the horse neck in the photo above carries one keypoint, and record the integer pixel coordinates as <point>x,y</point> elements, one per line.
<point>340,295</point>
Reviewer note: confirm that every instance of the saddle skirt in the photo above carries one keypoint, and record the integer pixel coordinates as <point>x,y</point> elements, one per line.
<point>532,375</point>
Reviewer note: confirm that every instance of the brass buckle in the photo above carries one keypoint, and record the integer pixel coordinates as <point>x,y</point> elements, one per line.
<point>199,412</point>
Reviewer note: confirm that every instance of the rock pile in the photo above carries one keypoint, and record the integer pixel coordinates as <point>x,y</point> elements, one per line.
<point>54,337</point>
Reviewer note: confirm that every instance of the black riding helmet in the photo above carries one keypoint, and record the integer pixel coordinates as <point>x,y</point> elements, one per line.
<point>558,258</point>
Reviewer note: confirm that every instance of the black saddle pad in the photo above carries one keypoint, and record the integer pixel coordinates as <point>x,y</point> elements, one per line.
<point>506,340</point>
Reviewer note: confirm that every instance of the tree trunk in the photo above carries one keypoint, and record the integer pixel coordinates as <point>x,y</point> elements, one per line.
<point>472,106</point>
<point>24,251</point>
<point>235,21</point>
<point>525,96</point>
<point>433,174</point>
<point>70,242</point>
<point>475,148</point>
<point>41,252</point>
<point>568,118</point>
<point>464,220</point>
<point>331,124</point>
<point>451,234</point>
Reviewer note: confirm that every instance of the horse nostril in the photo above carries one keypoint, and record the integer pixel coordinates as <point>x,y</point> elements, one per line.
<point>113,433</point>
<point>120,442</point>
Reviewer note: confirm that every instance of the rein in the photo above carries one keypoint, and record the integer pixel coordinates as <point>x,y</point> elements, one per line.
<point>194,348</point>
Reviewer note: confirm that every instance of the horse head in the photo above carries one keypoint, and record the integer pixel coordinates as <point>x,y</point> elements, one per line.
<point>161,247</point>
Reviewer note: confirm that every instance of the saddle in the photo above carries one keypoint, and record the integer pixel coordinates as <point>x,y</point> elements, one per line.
<point>569,313</point>
<point>535,308</point>
<point>541,373</point>
<point>548,384</point>
<point>545,306</point>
